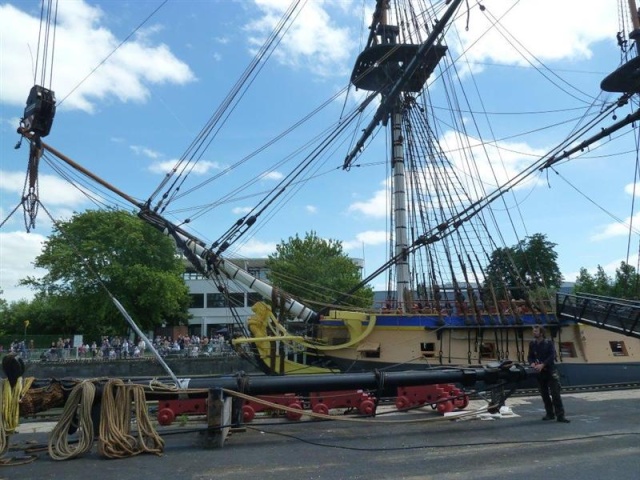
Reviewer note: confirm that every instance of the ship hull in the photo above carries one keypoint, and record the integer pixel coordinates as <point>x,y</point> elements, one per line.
<point>571,374</point>
<point>585,355</point>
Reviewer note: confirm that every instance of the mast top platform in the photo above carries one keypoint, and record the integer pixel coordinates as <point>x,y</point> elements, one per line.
<point>379,66</point>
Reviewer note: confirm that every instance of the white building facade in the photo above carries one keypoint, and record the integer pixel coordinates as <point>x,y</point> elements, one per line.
<point>210,311</point>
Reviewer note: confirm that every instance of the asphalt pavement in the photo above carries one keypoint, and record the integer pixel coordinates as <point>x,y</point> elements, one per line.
<point>602,441</point>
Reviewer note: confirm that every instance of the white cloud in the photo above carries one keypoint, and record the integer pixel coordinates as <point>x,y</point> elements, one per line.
<point>617,229</point>
<point>313,41</point>
<point>493,165</point>
<point>56,191</point>
<point>633,189</point>
<point>375,207</point>
<point>82,42</point>
<point>369,237</point>
<point>201,168</point>
<point>272,176</point>
<point>147,152</point>
<point>18,251</point>
<point>572,34</point>
<point>311,209</point>
<point>256,249</point>
<point>241,210</point>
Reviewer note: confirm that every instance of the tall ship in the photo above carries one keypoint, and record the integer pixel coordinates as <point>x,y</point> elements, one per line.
<point>417,106</point>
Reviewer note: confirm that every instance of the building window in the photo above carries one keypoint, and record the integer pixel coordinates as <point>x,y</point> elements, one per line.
<point>215,300</point>
<point>487,350</point>
<point>567,349</point>
<point>197,300</point>
<point>259,273</point>
<point>192,276</point>
<point>218,300</point>
<point>428,349</point>
<point>236,299</point>
<point>619,349</point>
<point>253,298</point>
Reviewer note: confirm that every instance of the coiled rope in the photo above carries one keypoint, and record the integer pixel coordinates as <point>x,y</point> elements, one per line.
<point>116,438</point>
<point>10,409</point>
<point>10,415</point>
<point>77,410</point>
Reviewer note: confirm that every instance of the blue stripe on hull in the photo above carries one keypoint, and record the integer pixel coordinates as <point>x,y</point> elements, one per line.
<point>433,321</point>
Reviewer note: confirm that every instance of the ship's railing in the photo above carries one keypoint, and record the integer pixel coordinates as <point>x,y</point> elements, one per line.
<point>608,313</point>
<point>449,307</point>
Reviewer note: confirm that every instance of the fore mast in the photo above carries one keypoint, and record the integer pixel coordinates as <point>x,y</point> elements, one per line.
<point>396,70</point>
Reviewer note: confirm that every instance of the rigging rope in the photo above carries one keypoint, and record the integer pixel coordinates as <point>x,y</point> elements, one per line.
<point>196,150</point>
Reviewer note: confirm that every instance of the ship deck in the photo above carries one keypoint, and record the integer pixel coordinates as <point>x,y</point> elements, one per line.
<point>600,442</point>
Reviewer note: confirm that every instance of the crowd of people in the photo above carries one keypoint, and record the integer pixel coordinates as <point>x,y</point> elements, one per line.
<point>118,347</point>
<point>193,345</point>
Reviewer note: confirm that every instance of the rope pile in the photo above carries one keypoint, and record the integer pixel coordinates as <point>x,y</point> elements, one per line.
<point>120,404</point>
<point>116,439</point>
<point>77,413</point>
<point>10,397</point>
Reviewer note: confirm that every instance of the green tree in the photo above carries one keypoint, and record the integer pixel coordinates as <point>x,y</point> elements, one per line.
<point>626,283</point>
<point>597,284</point>
<point>46,315</point>
<point>4,307</point>
<point>530,265</point>
<point>585,282</point>
<point>537,262</point>
<point>112,250</point>
<point>316,271</point>
<point>501,274</point>
<point>602,282</point>
<point>3,302</point>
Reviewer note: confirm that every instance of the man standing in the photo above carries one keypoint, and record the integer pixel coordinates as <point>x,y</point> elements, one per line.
<point>542,355</point>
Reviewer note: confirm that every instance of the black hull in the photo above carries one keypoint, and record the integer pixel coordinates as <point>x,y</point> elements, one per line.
<point>580,375</point>
<point>571,374</point>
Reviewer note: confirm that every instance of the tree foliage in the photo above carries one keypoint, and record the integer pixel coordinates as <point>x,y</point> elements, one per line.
<point>114,251</point>
<point>316,271</point>
<point>530,265</point>
<point>45,315</point>
<point>625,284</point>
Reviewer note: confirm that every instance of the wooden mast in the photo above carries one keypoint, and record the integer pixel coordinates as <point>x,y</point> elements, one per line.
<point>398,183</point>
<point>635,21</point>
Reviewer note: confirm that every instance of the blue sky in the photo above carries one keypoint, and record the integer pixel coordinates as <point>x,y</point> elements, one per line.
<point>138,112</point>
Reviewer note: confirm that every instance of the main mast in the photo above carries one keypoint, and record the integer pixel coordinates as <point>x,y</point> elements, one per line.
<point>393,69</point>
<point>388,35</point>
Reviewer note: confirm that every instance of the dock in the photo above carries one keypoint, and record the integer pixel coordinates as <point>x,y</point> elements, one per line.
<point>602,441</point>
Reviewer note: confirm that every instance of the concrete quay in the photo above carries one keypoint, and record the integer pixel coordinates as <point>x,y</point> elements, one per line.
<point>602,441</point>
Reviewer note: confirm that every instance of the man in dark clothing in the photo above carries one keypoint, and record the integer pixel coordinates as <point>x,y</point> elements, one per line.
<point>542,355</point>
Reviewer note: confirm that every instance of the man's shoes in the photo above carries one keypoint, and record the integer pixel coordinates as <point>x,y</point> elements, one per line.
<point>549,417</point>
<point>564,420</point>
